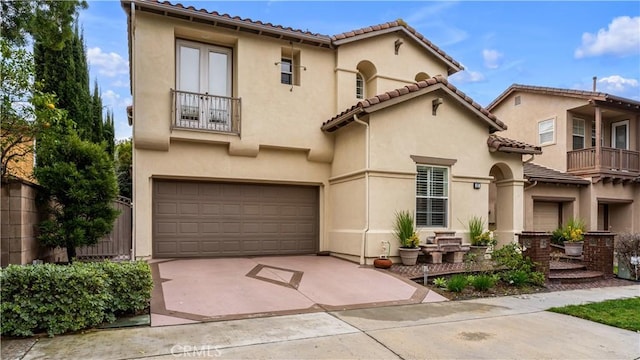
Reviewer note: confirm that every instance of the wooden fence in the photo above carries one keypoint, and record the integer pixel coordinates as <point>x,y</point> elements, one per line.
<point>117,244</point>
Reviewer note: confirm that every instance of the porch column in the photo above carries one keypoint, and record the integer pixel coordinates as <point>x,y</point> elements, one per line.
<point>510,218</point>
<point>598,116</point>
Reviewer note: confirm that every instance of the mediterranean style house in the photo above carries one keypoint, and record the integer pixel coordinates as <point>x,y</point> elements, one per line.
<point>256,139</point>
<point>590,168</point>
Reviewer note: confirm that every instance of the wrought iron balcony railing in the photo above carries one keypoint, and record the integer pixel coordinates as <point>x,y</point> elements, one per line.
<point>206,112</point>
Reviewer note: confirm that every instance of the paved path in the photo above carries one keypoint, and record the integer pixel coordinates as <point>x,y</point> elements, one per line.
<point>514,327</point>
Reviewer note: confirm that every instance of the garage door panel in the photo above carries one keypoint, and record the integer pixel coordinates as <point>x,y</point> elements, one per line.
<point>194,219</point>
<point>546,215</point>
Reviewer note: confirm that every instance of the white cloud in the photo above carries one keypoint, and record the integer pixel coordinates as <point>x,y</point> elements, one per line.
<point>621,38</point>
<point>467,77</point>
<point>108,64</point>
<point>617,84</point>
<point>492,58</point>
<point>120,83</point>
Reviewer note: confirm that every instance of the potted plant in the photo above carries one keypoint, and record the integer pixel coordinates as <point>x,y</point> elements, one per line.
<point>571,235</point>
<point>405,233</point>
<point>480,239</point>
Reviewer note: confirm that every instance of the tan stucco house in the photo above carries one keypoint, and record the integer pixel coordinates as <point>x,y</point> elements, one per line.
<point>577,176</point>
<point>252,139</point>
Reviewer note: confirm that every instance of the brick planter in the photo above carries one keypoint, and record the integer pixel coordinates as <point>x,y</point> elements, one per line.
<point>537,247</point>
<point>598,252</point>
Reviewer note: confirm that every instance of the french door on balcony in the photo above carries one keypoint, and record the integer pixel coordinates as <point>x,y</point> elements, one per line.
<point>203,80</point>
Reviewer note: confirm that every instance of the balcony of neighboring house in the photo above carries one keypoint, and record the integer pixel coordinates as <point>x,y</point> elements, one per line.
<point>196,111</point>
<point>615,157</point>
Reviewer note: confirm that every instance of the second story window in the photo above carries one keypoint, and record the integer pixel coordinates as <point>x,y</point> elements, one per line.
<point>546,132</point>
<point>359,86</point>
<point>578,134</point>
<point>286,71</point>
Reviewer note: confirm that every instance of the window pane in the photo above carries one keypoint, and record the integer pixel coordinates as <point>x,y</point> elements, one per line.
<point>545,126</point>
<point>620,136</point>
<point>218,74</point>
<point>285,65</point>
<point>359,87</point>
<point>432,188</point>
<point>578,142</point>
<point>189,75</point>
<point>578,127</point>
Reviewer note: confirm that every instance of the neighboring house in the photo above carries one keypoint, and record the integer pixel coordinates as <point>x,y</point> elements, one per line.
<point>255,139</point>
<point>577,176</point>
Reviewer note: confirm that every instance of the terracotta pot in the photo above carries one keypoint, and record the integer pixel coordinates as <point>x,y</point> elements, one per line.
<point>382,263</point>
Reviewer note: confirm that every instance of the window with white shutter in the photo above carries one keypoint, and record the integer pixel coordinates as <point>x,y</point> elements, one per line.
<point>432,196</point>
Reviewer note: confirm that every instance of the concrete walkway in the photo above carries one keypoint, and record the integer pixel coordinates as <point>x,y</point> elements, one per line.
<point>515,327</point>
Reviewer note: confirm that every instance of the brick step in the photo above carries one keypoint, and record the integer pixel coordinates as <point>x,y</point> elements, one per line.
<point>575,276</point>
<point>560,266</point>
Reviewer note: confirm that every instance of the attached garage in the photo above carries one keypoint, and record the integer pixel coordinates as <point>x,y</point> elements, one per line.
<point>213,219</point>
<point>547,216</point>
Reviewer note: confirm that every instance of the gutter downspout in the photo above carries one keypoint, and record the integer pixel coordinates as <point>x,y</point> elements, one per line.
<point>132,28</point>
<point>535,182</point>
<point>365,230</point>
<point>530,159</point>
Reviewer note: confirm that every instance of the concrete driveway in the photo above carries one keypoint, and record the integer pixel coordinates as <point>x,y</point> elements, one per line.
<point>198,290</point>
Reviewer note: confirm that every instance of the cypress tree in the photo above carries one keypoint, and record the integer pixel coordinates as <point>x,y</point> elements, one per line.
<point>97,122</point>
<point>109,133</point>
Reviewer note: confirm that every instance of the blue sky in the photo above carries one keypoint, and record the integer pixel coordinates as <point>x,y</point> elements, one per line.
<point>556,44</point>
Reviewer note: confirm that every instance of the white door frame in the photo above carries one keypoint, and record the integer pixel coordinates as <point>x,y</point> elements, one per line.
<point>613,133</point>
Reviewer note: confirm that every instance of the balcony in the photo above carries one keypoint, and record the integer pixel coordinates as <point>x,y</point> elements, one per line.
<point>620,162</point>
<point>194,111</point>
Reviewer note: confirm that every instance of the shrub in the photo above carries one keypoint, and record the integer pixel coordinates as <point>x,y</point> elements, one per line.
<point>475,225</point>
<point>62,298</point>
<point>129,284</point>
<point>627,245</point>
<point>519,270</point>
<point>440,282</point>
<point>483,282</point>
<point>457,283</point>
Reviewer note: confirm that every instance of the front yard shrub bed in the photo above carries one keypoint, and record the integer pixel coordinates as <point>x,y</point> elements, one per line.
<point>61,298</point>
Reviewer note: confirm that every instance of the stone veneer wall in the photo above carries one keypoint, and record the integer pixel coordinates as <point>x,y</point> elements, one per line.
<point>18,223</point>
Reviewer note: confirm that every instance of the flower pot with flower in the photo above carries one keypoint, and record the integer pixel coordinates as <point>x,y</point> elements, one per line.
<point>404,231</point>
<point>571,235</point>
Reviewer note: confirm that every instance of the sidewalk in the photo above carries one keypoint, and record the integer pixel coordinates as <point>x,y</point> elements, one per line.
<point>489,328</point>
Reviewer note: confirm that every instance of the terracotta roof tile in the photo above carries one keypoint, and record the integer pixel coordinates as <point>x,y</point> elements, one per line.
<point>340,120</point>
<point>503,144</point>
<point>215,14</point>
<point>397,23</point>
<point>534,172</point>
<point>584,94</point>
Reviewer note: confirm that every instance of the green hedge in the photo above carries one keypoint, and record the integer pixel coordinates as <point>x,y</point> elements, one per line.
<point>60,298</point>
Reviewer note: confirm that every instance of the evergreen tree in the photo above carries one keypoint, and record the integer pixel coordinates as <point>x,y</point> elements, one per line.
<point>80,183</point>
<point>123,167</point>
<point>97,122</point>
<point>109,133</point>
<point>64,73</point>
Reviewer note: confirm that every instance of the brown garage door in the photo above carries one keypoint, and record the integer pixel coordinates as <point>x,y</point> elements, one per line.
<point>201,219</point>
<point>546,215</point>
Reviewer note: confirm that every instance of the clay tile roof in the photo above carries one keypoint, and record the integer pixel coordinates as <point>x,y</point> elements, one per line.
<point>235,20</point>
<point>346,117</point>
<point>402,24</point>
<point>534,172</point>
<point>583,94</point>
<point>502,144</point>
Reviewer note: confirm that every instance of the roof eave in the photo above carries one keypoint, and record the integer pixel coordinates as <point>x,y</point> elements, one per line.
<point>451,67</point>
<point>239,24</point>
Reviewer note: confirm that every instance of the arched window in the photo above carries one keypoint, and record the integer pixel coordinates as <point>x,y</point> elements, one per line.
<point>359,86</point>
